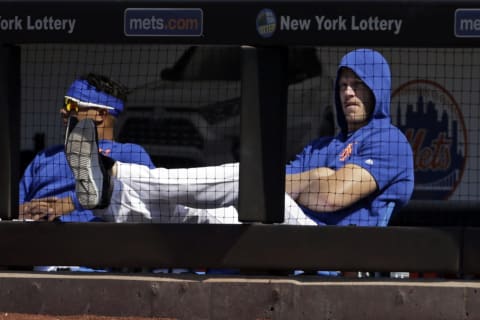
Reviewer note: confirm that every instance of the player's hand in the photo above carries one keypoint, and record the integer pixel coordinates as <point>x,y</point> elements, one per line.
<point>47,208</point>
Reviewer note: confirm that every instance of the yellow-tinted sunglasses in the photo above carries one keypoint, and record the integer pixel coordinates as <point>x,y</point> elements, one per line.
<point>70,105</point>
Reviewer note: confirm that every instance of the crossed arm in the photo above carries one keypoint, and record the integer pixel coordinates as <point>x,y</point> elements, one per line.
<point>46,208</point>
<point>326,190</point>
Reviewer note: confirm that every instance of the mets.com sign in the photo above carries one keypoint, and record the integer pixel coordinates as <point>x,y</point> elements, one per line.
<point>467,23</point>
<point>163,22</point>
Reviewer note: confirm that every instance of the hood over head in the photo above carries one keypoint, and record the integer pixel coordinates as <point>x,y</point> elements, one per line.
<point>372,68</point>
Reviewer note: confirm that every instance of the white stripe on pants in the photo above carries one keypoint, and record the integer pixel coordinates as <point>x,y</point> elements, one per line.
<point>193,195</point>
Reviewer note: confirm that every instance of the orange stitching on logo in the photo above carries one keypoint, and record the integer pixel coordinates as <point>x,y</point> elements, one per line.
<point>346,152</point>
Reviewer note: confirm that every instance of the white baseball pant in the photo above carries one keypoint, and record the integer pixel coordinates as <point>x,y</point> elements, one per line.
<point>192,195</point>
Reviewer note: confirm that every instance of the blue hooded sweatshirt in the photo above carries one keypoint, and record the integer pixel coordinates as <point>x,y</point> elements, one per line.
<point>378,147</point>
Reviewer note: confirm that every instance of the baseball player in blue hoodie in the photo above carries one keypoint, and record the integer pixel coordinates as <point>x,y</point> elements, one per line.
<point>358,177</point>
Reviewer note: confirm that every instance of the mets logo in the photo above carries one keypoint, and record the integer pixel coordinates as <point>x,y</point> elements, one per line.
<point>347,152</point>
<point>433,123</point>
<point>266,23</point>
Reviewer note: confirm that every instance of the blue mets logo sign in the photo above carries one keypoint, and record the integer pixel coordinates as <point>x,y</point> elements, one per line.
<point>433,123</point>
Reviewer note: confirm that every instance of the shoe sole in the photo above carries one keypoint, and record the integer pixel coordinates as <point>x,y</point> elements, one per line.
<point>82,156</point>
<point>71,123</point>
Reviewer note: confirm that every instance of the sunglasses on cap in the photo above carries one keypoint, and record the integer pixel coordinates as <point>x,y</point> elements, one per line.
<point>72,105</point>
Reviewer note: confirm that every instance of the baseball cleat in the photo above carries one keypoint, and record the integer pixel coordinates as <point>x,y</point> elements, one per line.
<point>81,149</point>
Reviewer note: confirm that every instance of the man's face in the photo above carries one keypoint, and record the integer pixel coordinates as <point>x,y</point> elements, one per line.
<point>356,99</point>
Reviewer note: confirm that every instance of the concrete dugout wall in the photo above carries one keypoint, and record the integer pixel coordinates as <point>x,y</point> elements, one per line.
<point>190,297</point>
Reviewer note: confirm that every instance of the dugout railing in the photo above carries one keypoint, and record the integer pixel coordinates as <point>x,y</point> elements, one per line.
<point>257,245</point>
